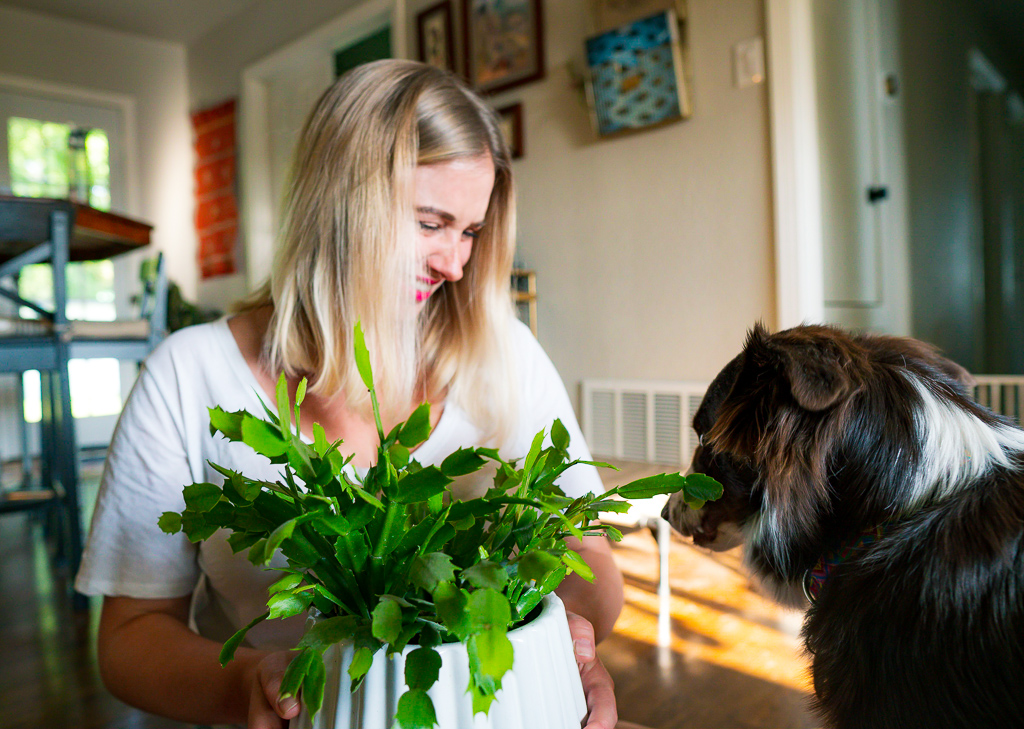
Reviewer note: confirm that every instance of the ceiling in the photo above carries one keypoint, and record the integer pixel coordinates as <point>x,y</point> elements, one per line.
<point>182,21</point>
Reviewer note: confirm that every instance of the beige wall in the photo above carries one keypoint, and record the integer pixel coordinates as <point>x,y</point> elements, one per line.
<point>653,251</point>
<point>152,73</point>
<point>945,256</point>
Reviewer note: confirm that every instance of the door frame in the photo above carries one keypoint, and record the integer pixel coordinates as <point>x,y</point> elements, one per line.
<point>316,48</point>
<point>799,266</point>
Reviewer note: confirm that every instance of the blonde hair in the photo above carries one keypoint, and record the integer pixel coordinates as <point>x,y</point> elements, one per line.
<point>347,250</point>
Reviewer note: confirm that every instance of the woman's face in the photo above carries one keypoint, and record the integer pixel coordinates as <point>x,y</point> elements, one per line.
<point>451,201</point>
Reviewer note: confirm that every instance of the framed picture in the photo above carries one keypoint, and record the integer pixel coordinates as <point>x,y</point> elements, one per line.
<point>636,75</point>
<point>436,36</point>
<point>609,14</point>
<point>504,43</point>
<point>512,127</point>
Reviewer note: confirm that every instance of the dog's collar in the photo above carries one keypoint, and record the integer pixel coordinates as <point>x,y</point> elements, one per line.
<point>815,577</point>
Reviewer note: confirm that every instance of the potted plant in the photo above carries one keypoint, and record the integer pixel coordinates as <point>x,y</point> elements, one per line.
<point>394,569</point>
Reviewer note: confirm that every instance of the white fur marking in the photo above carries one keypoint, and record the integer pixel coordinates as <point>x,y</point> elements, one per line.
<point>957,447</point>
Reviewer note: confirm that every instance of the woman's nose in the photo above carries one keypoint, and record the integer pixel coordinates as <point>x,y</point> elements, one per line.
<point>447,263</point>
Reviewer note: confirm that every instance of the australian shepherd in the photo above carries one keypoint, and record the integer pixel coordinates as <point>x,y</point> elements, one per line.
<point>869,487</point>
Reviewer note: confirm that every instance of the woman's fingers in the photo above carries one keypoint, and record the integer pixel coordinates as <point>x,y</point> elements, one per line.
<point>265,710</point>
<point>597,683</point>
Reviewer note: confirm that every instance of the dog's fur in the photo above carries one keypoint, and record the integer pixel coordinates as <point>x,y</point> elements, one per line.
<point>818,436</point>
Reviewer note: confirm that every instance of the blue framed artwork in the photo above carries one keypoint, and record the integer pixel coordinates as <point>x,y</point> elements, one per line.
<point>636,75</point>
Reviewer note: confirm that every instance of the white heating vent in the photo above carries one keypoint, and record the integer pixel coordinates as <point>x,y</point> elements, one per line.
<point>1003,394</point>
<point>641,420</point>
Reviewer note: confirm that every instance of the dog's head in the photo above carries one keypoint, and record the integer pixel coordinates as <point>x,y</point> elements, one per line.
<point>816,435</point>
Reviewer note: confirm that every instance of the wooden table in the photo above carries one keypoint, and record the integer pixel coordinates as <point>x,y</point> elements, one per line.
<point>38,230</point>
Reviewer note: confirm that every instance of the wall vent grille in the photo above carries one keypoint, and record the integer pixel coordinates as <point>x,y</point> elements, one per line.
<point>639,420</point>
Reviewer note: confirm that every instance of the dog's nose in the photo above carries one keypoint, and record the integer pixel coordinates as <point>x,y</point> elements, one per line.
<point>666,512</point>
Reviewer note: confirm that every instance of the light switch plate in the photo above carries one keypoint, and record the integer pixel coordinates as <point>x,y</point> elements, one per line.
<point>748,62</point>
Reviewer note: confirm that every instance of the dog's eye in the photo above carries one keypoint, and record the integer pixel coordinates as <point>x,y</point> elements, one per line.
<point>700,440</point>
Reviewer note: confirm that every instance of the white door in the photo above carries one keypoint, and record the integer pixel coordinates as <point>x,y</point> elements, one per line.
<point>96,385</point>
<point>863,188</point>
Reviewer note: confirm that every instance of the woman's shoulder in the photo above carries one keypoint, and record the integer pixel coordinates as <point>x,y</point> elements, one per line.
<point>201,346</point>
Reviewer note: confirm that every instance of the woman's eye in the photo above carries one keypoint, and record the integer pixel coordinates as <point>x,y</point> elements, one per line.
<point>433,227</point>
<point>474,234</point>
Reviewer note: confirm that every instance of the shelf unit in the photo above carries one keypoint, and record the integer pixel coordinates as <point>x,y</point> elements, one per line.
<point>524,294</point>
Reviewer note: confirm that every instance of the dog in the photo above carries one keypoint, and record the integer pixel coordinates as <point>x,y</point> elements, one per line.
<point>869,487</point>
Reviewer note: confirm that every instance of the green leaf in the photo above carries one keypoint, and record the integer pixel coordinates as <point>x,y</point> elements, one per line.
<point>422,667</point>
<point>320,444</point>
<point>296,672</point>
<point>363,357</point>
<point>533,455</point>
<point>286,604</point>
<point>699,487</point>
<point>228,424</point>
<point>283,407</point>
<point>327,632</point>
<point>577,564</point>
<point>201,497</point>
<point>170,522</point>
<point>421,486</point>
<point>536,564</point>
<point>300,392</point>
<point>451,604</point>
<point>461,462</point>
<point>196,528</point>
<point>417,428</point>
<point>488,610</point>
<point>242,540</point>
<point>288,582</point>
<point>362,660</point>
<point>283,532</point>
<point>415,710</point>
<point>263,437</point>
<point>427,570</point>
<point>398,454</point>
<point>559,436</point>
<point>486,574</point>
<point>645,488</point>
<point>494,651</point>
<point>387,621</point>
<point>331,524</point>
<point>313,685</point>
<point>227,651</point>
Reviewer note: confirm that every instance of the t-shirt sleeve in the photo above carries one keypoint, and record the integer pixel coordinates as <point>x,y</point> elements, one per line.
<point>126,552</point>
<point>543,399</point>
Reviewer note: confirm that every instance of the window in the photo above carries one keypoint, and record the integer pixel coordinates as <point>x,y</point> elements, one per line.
<point>39,160</point>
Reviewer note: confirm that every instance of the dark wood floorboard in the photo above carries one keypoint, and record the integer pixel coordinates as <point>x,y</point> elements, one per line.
<point>734,662</point>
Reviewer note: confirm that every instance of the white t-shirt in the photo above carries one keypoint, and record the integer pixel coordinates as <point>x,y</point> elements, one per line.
<point>162,443</point>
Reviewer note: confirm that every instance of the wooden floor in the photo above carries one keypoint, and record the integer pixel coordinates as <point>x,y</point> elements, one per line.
<point>734,661</point>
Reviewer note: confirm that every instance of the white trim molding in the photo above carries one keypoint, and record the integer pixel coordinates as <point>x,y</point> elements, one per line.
<point>799,280</point>
<point>311,51</point>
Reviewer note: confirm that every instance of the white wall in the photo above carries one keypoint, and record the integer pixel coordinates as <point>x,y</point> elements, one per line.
<point>153,74</point>
<point>653,251</point>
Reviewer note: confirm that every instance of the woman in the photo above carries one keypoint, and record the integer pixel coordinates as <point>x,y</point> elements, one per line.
<point>400,215</point>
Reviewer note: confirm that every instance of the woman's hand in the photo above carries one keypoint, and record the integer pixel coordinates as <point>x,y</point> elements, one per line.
<point>597,683</point>
<point>265,711</point>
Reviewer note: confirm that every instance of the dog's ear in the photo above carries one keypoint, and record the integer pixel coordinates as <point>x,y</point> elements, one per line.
<point>817,368</point>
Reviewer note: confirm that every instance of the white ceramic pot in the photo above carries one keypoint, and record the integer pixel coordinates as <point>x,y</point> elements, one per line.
<point>543,689</point>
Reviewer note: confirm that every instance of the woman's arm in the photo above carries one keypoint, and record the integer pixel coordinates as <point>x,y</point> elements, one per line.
<point>599,601</point>
<point>150,659</point>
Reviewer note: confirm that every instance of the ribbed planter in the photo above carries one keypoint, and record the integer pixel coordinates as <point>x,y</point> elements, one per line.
<point>543,689</point>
